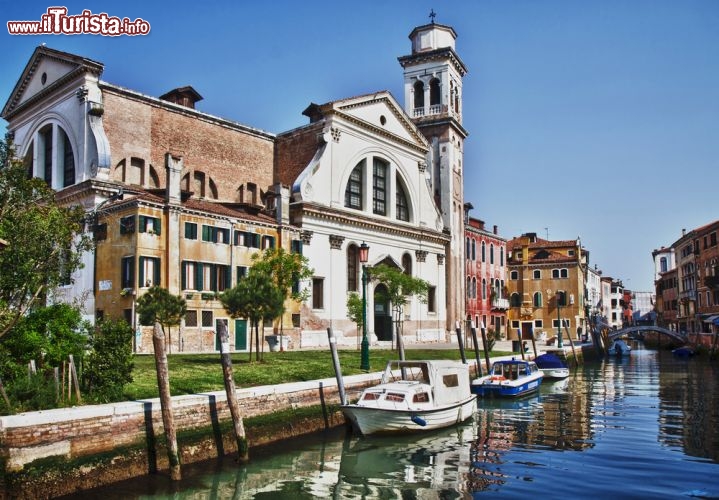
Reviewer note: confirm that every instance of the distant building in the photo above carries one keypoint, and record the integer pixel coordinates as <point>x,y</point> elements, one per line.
<point>546,286</point>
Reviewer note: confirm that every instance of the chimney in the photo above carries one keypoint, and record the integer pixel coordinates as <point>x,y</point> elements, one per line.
<point>173,178</point>
<point>494,229</point>
<point>184,96</point>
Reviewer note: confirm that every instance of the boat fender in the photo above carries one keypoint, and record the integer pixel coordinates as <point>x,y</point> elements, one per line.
<point>419,420</point>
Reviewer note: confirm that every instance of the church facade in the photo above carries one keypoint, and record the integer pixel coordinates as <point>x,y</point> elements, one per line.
<point>182,199</point>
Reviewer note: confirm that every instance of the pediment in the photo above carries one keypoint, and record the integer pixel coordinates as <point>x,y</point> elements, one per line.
<point>46,70</point>
<point>381,113</point>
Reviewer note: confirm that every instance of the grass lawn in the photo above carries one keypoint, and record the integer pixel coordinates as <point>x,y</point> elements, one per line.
<point>194,373</point>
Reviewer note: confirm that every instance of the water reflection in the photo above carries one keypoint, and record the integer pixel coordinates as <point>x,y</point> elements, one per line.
<point>602,432</point>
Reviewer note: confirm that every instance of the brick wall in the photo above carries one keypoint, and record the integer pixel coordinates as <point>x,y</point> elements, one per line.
<point>129,432</point>
<point>294,150</point>
<point>140,127</point>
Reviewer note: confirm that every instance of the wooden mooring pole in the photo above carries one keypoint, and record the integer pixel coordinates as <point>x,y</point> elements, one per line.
<point>243,452</point>
<point>168,420</point>
<point>336,364</point>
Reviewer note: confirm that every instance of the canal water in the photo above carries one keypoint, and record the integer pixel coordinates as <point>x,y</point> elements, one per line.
<point>646,426</point>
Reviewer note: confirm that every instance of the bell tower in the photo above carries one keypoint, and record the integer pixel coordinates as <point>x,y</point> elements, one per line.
<point>433,75</point>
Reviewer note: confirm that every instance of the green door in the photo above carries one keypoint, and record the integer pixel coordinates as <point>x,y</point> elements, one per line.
<point>240,335</point>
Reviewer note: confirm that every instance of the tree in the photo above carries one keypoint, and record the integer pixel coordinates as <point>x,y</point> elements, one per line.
<point>286,271</point>
<point>109,365</point>
<point>255,297</point>
<point>399,288</point>
<point>44,242</point>
<point>159,305</point>
<point>354,309</point>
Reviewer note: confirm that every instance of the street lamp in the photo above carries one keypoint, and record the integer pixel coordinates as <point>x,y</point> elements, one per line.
<point>363,258</point>
<point>559,320</point>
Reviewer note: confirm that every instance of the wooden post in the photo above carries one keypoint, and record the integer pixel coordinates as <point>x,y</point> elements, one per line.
<point>571,343</point>
<point>56,373</point>
<point>243,454</point>
<point>4,396</point>
<point>75,382</point>
<point>460,342</point>
<point>534,342</point>
<point>336,363</point>
<point>168,420</point>
<point>485,345</point>
<point>476,351</point>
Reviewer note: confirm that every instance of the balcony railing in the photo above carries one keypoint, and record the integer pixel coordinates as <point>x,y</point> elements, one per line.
<point>436,109</point>
<point>688,295</point>
<point>500,303</point>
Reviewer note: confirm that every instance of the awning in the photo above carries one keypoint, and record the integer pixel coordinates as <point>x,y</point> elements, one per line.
<point>712,319</point>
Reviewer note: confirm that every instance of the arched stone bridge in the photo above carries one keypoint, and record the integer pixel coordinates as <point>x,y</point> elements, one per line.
<point>633,330</point>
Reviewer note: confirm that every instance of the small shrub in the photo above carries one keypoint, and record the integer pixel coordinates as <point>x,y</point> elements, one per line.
<point>32,393</point>
<point>109,365</point>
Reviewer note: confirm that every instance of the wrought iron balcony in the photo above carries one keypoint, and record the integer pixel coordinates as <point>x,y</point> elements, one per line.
<point>500,303</point>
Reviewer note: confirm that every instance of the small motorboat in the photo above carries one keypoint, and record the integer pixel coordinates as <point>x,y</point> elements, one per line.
<point>414,396</point>
<point>683,352</point>
<point>619,348</point>
<point>552,366</point>
<point>509,378</point>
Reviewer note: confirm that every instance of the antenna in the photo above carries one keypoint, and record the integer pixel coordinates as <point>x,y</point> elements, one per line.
<point>546,230</point>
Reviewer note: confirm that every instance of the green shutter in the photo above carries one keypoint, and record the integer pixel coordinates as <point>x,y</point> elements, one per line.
<point>142,225</point>
<point>228,276</point>
<point>158,226</point>
<point>206,233</point>
<point>213,277</point>
<point>183,271</point>
<point>158,272</point>
<point>198,276</point>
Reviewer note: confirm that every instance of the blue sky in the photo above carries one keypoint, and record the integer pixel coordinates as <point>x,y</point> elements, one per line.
<point>596,119</point>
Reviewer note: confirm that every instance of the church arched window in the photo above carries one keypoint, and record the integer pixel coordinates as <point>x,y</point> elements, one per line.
<point>353,191</point>
<point>434,93</point>
<point>419,94</point>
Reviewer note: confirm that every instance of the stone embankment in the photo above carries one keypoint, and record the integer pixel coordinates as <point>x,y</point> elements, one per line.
<point>56,452</point>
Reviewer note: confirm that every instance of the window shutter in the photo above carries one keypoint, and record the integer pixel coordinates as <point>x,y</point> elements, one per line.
<point>228,276</point>
<point>183,270</point>
<point>206,233</point>
<point>198,276</point>
<point>158,226</point>
<point>158,271</point>
<point>142,225</point>
<point>213,277</point>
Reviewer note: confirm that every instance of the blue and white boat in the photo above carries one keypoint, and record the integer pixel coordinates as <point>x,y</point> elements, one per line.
<point>509,378</point>
<point>552,366</point>
<point>619,348</point>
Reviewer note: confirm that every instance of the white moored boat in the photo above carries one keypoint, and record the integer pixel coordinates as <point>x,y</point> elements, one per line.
<point>414,396</point>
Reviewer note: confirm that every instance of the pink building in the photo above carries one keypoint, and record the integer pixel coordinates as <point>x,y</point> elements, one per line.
<point>485,266</point>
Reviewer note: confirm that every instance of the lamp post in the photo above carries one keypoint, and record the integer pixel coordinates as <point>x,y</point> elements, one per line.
<point>363,258</point>
<point>559,320</point>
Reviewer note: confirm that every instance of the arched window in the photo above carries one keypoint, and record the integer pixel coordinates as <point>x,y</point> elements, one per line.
<point>419,94</point>
<point>514,300</point>
<point>474,249</point>
<point>484,289</point>
<point>379,186</point>
<point>474,288</point>
<point>434,93</point>
<point>401,205</point>
<point>468,247</point>
<point>501,256</point>
<point>67,158</point>
<point>352,267</point>
<point>469,287</point>
<point>407,264</point>
<point>491,253</point>
<point>484,252</point>
<point>353,191</point>
<point>663,265</point>
<point>537,301</point>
